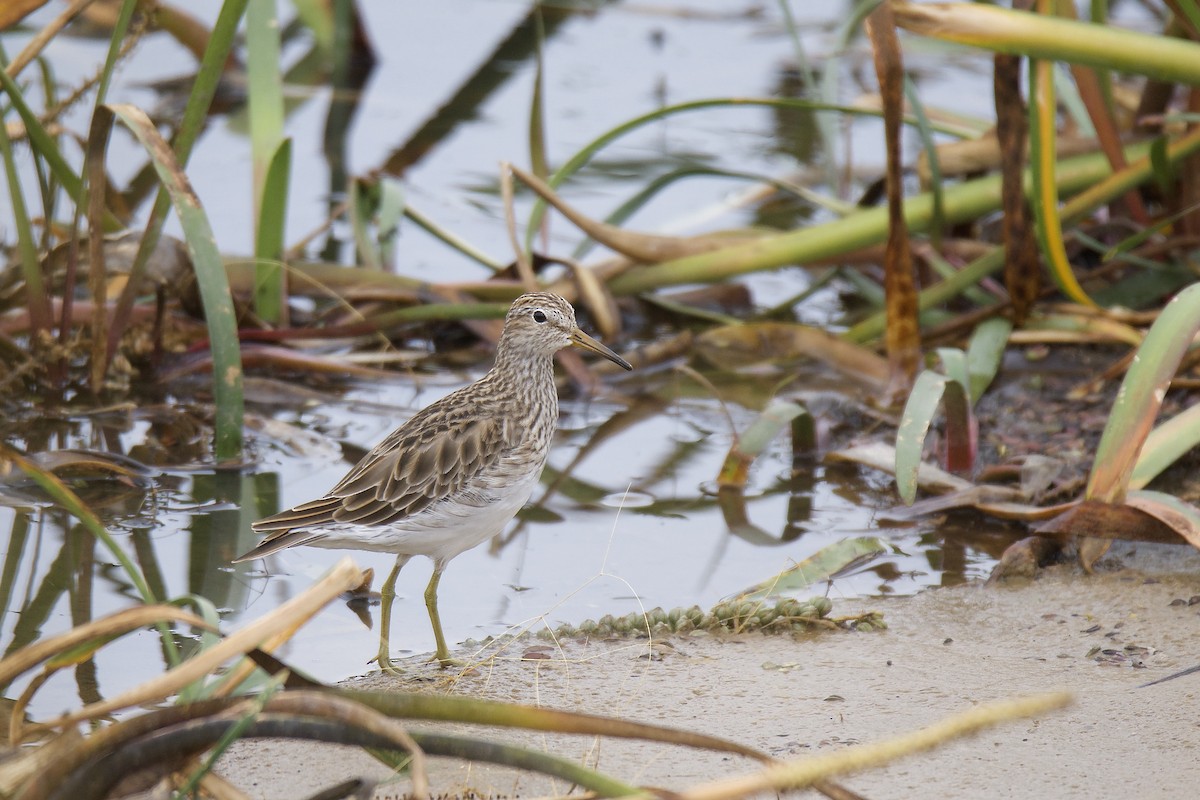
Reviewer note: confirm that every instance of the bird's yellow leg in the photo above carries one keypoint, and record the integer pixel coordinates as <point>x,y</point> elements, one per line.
<point>442,654</point>
<point>387,596</point>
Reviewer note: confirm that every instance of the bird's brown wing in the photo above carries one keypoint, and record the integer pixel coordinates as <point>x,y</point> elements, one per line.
<point>430,457</point>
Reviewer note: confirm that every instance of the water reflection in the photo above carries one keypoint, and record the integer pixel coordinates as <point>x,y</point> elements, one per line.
<point>675,545</point>
<point>571,554</point>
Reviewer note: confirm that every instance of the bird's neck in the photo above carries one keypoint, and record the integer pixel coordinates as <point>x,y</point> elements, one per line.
<point>532,370</point>
<point>513,360</point>
<point>526,382</point>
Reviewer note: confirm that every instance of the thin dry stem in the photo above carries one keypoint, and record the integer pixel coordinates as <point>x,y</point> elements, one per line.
<point>524,267</point>
<point>804,772</point>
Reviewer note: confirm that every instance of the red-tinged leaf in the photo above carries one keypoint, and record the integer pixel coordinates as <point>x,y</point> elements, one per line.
<point>1092,518</point>
<point>1006,502</point>
<point>962,429</point>
<point>1181,516</point>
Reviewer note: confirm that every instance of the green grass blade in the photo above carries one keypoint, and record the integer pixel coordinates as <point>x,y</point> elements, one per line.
<point>360,209</point>
<point>815,84</point>
<point>270,298</point>
<point>821,566</point>
<point>1141,396</point>
<point>445,235</point>
<point>210,277</point>
<point>207,611</point>
<point>43,142</point>
<point>1164,170</point>
<point>869,227</point>
<point>577,161</point>
<point>644,195</point>
<point>872,327</point>
<point>195,117</point>
<point>39,303</point>
<point>954,364</point>
<point>265,85</point>
<point>392,208</point>
<point>466,748</point>
<point>95,187</point>
<point>235,732</point>
<point>919,411</point>
<point>265,104</point>
<point>538,163</point>
<point>984,354</point>
<point>1165,445</point>
<point>1054,39</point>
<point>1043,118</point>
<point>115,41</point>
<point>318,18</point>
<point>938,222</point>
<point>1145,234</point>
<point>67,499</point>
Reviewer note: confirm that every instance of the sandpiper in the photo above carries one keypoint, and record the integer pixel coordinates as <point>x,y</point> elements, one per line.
<point>453,475</point>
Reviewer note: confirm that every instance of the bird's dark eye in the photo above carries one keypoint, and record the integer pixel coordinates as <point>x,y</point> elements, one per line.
<point>539,316</point>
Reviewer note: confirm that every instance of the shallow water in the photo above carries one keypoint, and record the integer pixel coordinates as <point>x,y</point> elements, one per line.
<point>631,524</point>
<point>619,533</point>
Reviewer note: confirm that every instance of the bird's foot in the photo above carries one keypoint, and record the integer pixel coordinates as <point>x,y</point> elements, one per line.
<point>386,665</point>
<point>445,661</point>
<point>390,668</point>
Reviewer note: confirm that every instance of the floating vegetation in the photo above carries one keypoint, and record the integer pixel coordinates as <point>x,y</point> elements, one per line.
<point>787,615</point>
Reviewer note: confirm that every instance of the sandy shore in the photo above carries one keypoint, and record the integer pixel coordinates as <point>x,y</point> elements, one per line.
<point>946,650</point>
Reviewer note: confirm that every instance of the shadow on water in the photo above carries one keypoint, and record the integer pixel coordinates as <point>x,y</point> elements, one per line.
<point>627,516</point>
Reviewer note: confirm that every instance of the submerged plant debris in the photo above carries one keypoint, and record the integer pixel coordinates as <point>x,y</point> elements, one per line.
<point>787,615</point>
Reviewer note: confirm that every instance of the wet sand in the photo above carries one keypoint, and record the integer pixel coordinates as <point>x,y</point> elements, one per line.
<point>945,651</point>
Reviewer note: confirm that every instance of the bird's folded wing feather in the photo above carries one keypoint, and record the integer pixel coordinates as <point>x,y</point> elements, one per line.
<point>415,467</point>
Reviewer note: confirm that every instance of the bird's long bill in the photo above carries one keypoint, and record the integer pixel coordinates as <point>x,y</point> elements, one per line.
<point>581,339</point>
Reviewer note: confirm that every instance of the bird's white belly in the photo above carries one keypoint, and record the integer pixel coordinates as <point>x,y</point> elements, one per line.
<point>442,531</point>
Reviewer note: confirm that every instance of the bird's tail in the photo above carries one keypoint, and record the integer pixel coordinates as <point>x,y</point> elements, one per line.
<point>276,542</point>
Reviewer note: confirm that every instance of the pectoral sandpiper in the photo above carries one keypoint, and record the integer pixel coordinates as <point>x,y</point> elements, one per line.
<point>453,476</point>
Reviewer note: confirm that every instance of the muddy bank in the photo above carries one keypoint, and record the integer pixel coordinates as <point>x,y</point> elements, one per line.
<point>946,650</point>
